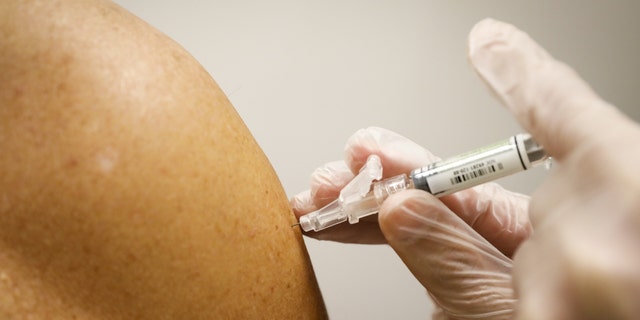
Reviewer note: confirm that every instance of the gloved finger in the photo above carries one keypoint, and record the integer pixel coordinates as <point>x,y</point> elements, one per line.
<point>326,183</point>
<point>547,97</point>
<point>497,214</point>
<point>302,203</point>
<point>466,276</point>
<point>398,154</point>
<point>328,180</point>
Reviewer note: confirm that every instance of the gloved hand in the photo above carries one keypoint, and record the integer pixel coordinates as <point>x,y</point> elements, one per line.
<point>458,247</point>
<point>583,260</point>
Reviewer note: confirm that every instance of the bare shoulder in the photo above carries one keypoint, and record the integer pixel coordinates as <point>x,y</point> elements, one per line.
<point>129,186</point>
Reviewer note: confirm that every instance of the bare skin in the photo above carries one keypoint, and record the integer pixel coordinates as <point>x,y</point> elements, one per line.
<point>129,186</point>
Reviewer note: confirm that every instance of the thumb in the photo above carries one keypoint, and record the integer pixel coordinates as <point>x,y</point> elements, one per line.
<point>547,97</point>
<point>465,274</point>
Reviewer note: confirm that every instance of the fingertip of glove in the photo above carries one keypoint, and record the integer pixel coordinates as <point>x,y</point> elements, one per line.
<point>490,38</point>
<point>331,173</point>
<point>398,153</point>
<point>327,181</point>
<point>484,32</point>
<point>360,145</point>
<point>302,203</point>
<point>509,61</point>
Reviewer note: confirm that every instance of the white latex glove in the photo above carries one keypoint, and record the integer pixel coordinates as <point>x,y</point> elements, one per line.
<point>584,260</point>
<point>458,246</point>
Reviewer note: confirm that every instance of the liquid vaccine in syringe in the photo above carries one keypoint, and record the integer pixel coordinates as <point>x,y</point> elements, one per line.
<point>364,194</point>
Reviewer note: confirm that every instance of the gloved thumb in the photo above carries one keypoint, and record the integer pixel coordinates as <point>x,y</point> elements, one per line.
<point>464,274</point>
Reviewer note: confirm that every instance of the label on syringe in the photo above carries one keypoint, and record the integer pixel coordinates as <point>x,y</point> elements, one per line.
<point>470,169</point>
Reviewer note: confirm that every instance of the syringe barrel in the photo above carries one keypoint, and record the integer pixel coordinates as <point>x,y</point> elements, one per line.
<point>504,158</point>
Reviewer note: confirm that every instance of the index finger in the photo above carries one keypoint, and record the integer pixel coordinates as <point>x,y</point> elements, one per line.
<point>546,96</point>
<point>397,153</point>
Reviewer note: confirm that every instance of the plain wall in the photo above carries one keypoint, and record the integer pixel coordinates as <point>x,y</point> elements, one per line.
<point>305,75</point>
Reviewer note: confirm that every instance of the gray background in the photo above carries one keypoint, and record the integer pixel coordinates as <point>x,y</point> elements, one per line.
<point>305,75</point>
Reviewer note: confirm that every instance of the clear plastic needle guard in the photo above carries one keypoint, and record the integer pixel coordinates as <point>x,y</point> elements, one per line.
<point>366,192</point>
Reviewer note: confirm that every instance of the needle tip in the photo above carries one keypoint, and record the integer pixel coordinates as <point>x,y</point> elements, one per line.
<point>295,225</point>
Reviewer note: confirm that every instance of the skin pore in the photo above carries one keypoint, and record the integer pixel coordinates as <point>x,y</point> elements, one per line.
<point>129,186</point>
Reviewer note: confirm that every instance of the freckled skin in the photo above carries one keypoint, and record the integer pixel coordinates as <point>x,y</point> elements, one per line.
<point>121,194</point>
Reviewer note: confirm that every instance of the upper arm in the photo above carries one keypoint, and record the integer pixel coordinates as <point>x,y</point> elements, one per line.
<point>129,186</point>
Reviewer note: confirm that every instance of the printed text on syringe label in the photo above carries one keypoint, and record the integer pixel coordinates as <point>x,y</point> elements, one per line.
<point>476,171</point>
<point>453,177</point>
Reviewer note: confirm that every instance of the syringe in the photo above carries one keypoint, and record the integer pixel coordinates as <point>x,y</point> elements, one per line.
<point>366,192</point>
